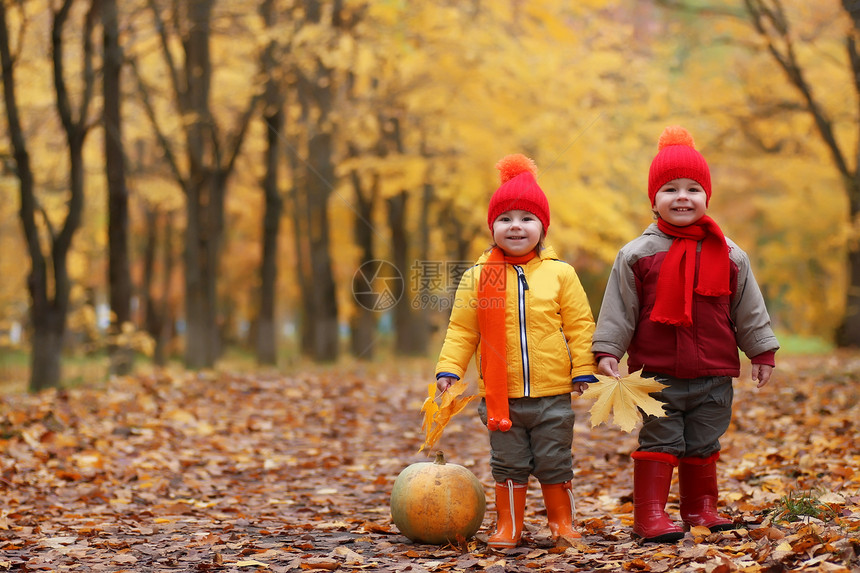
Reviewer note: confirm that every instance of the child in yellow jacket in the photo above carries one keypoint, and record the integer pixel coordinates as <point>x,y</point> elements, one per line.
<point>527,316</point>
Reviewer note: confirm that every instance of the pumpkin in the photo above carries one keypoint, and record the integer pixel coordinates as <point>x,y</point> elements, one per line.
<point>437,502</point>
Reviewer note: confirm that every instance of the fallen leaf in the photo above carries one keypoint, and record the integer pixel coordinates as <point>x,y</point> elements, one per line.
<point>351,557</point>
<point>437,417</point>
<point>321,503</point>
<point>57,542</point>
<point>700,530</point>
<point>637,564</point>
<point>252,563</point>
<point>623,397</point>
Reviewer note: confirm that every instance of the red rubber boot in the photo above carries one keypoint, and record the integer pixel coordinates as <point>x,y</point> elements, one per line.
<point>652,477</point>
<point>697,480</point>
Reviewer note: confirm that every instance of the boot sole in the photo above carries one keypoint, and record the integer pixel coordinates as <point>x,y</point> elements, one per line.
<point>502,545</point>
<point>714,528</point>
<point>664,538</point>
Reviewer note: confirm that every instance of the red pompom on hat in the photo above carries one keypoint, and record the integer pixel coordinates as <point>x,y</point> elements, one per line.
<point>518,190</point>
<point>677,158</point>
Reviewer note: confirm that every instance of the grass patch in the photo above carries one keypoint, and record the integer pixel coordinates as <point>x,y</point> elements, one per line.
<point>797,506</point>
<point>14,370</point>
<point>803,345</point>
<point>77,370</point>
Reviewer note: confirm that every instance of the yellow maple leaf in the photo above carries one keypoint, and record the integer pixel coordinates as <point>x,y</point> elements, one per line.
<point>436,417</point>
<point>429,407</point>
<point>623,397</point>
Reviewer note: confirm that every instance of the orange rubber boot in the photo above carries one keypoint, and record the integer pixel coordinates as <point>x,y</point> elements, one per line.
<point>510,509</point>
<point>558,498</point>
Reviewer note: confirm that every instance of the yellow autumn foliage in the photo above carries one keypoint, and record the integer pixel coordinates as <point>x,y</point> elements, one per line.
<point>583,88</point>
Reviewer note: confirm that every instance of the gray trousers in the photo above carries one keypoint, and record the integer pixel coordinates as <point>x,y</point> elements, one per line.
<point>699,411</point>
<point>539,442</point>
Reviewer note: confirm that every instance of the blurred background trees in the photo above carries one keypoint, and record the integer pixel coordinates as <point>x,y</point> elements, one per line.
<point>309,178</point>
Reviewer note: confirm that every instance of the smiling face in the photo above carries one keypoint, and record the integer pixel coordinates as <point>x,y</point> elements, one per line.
<point>517,232</point>
<point>681,202</point>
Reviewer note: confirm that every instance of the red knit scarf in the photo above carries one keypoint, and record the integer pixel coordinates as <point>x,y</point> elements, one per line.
<point>674,304</point>
<point>491,322</point>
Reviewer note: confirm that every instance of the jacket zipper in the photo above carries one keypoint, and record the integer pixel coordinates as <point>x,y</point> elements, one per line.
<point>522,287</point>
<point>569,355</point>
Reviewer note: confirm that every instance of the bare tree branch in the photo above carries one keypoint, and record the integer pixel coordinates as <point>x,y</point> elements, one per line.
<point>772,25</point>
<point>163,140</point>
<point>180,91</point>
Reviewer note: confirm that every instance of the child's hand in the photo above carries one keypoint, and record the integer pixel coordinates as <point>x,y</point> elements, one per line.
<point>761,372</point>
<point>444,382</point>
<point>608,366</point>
<point>580,387</point>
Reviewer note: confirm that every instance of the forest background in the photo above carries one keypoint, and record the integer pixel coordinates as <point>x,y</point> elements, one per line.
<point>307,179</point>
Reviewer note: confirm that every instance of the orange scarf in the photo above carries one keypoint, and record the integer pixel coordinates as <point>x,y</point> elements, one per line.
<point>492,287</point>
<point>674,304</point>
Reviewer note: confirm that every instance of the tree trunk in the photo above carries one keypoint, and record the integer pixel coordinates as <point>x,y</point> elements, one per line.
<point>267,332</point>
<point>49,325</point>
<point>119,277</point>
<point>423,312</point>
<point>770,23</point>
<point>273,117</point>
<point>301,235</point>
<point>49,302</point>
<point>76,129</point>
<point>204,197</point>
<point>37,279</point>
<point>151,319</point>
<point>848,333</point>
<point>323,297</point>
<point>207,166</point>
<point>320,330</point>
<point>158,320</point>
<point>197,347</point>
<point>363,326</point>
<point>410,333</point>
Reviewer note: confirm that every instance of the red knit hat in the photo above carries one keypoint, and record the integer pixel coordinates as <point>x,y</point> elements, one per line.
<point>519,190</point>
<point>677,158</point>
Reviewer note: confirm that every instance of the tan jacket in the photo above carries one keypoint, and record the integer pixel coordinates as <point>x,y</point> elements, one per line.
<point>548,349</point>
<point>721,325</point>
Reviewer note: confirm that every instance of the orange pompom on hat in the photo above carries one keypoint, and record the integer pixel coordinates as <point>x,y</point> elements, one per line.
<point>519,190</point>
<point>677,158</point>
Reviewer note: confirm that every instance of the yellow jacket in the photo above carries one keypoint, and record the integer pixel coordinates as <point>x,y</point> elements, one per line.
<point>558,326</point>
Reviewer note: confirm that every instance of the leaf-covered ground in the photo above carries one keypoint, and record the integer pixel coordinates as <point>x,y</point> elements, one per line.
<point>230,472</point>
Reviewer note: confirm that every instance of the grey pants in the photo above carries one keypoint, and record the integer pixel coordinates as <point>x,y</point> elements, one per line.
<point>699,411</point>
<point>539,443</point>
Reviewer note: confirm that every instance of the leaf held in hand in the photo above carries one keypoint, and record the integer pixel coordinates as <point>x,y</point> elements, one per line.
<point>437,416</point>
<point>429,407</point>
<point>623,397</point>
